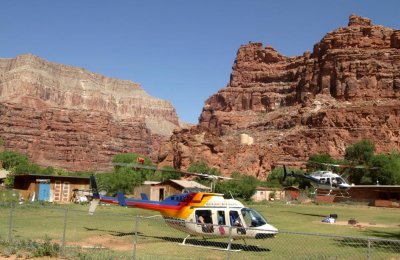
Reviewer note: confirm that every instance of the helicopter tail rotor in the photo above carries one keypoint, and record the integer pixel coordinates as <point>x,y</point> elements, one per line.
<point>95,190</point>
<point>96,196</point>
<point>284,174</point>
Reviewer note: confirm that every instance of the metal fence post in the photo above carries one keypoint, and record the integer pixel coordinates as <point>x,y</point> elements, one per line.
<point>369,249</point>
<point>230,243</point>
<point>10,224</point>
<point>135,236</point>
<point>65,230</point>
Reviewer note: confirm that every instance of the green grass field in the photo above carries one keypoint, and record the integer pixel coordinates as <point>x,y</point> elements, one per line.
<point>112,228</point>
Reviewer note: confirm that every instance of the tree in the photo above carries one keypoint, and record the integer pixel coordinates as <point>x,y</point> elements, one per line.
<point>316,160</point>
<point>129,158</point>
<point>202,167</point>
<point>275,178</point>
<point>165,173</point>
<point>386,169</point>
<point>169,173</point>
<point>12,159</point>
<point>242,186</point>
<point>360,153</point>
<point>124,180</point>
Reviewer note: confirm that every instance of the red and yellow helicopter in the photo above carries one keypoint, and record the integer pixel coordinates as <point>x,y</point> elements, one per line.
<point>204,214</point>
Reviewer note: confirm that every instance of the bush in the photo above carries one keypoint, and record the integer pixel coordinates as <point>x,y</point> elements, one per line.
<point>29,248</point>
<point>12,159</point>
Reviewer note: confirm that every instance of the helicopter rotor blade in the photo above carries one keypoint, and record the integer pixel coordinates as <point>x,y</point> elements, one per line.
<point>345,166</point>
<point>201,175</point>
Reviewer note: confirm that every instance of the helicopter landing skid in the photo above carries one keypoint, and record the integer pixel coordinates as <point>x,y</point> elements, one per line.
<point>335,193</point>
<point>228,248</point>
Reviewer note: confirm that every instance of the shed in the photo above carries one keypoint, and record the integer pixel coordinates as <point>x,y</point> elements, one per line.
<point>160,190</point>
<point>374,195</point>
<point>49,187</point>
<point>3,176</point>
<point>292,193</point>
<point>264,193</point>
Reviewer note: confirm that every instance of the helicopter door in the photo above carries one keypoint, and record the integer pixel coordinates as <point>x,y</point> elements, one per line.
<point>221,222</point>
<point>236,221</point>
<point>204,221</point>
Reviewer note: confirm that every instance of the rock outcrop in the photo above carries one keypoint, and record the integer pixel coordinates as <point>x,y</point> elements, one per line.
<point>68,117</point>
<point>345,90</point>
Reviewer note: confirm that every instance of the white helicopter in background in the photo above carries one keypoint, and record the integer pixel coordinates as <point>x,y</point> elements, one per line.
<point>324,182</point>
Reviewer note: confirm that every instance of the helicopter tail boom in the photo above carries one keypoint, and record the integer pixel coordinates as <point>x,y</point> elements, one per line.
<point>295,175</point>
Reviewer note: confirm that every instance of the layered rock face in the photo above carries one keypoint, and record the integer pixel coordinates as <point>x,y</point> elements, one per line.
<point>345,90</point>
<point>71,118</point>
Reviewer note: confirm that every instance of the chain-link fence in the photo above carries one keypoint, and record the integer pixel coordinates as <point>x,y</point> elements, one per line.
<point>108,235</point>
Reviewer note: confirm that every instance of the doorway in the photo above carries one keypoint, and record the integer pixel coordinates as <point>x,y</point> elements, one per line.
<point>44,191</point>
<point>161,194</point>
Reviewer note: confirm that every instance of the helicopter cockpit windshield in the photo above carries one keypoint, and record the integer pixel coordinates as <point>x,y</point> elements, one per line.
<point>253,218</point>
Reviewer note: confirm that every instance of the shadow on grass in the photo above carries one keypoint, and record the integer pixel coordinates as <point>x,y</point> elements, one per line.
<point>306,214</point>
<point>192,241</point>
<point>389,246</point>
<point>384,234</point>
<point>214,244</point>
<point>112,232</point>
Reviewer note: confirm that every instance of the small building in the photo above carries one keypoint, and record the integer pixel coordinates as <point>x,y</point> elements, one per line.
<point>50,188</point>
<point>375,195</point>
<point>264,193</point>
<point>3,176</point>
<point>292,193</point>
<point>160,190</point>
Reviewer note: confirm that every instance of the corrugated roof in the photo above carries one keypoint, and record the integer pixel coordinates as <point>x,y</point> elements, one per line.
<point>150,182</point>
<point>3,173</point>
<point>375,186</point>
<point>53,176</point>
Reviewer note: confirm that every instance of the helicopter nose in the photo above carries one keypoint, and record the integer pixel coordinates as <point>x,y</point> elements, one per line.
<point>269,232</point>
<point>345,186</point>
<point>271,229</point>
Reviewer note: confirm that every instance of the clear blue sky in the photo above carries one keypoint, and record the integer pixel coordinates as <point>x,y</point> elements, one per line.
<point>178,50</point>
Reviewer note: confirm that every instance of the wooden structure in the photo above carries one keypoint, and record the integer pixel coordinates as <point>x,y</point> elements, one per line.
<point>264,193</point>
<point>50,188</point>
<point>160,190</point>
<point>372,195</point>
<point>3,176</point>
<point>376,195</point>
<point>292,193</point>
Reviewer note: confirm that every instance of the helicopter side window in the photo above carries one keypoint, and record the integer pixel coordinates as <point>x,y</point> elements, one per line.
<point>339,180</point>
<point>221,217</point>
<point>234,218</point>
<point>235,221</point>
<point>203,218</point>
<point>322,180</point>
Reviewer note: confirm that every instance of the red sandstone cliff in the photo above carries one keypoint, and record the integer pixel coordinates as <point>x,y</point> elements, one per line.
<point>71,118</point>
<point>346,89</point>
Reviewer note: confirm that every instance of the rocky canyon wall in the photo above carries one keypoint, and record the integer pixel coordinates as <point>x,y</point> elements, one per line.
<point>345,90</point>
<point>68,117</point>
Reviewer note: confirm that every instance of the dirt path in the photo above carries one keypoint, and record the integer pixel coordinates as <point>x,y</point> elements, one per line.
<point>359,224</point>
